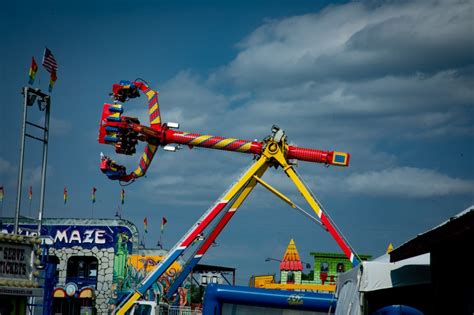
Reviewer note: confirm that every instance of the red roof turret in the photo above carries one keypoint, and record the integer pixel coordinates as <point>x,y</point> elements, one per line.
<point>291,260</point>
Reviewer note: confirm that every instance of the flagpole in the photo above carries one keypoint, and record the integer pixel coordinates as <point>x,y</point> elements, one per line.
<point>145,228</point>
<point>94,190</point>
<point>65,196</point>
<point>162,228</point>
<point>2,196</point>
<point>30,198</point>
<point>122,201</point>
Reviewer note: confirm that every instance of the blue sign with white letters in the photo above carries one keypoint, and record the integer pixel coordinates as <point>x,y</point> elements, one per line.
<point>85,236</point>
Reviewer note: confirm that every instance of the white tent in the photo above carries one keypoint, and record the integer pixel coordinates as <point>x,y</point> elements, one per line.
<point>379,274</point>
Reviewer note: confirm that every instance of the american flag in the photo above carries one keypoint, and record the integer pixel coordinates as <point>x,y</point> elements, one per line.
<point>49,62</point>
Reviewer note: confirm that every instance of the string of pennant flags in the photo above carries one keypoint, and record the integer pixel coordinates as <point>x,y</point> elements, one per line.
<point>94,199</point>
<point>162,228</point>
<point>49,63</point>
<point>65,194</point>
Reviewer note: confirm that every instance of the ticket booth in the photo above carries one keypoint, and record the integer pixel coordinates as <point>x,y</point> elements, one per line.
<point>17,273</point>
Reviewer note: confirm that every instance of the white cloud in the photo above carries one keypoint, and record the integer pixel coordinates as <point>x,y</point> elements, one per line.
<point>57,126</point>
<point>355,41</point>
<point>32,176</point>
<point>5,166</point>
<point>190,102</point>
<point>8,173</point>
<point>357,73</point>
<point>60,127</point>
<point>186,100</point>
<point>408,182</point>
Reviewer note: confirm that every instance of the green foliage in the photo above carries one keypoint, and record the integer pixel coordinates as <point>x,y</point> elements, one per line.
<point>197,292</point>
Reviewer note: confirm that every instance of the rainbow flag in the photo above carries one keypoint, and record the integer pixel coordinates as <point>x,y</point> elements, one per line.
<point>52,80</point>
<point>145,224</point>
<point>30,193</point>
<point>93,194</point>
<point>163,222</point>
<point>122,196</point>
<point>2,192</point>
<point>33,70</point>
<point>65,195</point>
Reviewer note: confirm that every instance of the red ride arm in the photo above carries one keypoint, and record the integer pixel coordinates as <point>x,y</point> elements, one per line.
<point>212,142</point>
<point>253,147</point>
<point>318,156</point>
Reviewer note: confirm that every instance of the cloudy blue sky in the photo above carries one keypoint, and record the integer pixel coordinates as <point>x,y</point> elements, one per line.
<point>391,82</point>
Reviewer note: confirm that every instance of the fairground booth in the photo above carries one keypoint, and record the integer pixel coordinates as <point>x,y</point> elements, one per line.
<point>18,274</point>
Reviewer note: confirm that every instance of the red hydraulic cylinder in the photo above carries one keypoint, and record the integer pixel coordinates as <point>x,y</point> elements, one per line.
<point>318,156</point>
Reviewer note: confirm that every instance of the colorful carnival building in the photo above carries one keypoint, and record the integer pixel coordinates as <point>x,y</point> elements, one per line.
<point>326,267</point>
<point>91,263</point>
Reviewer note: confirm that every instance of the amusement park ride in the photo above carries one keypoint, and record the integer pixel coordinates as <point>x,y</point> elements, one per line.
<point>124,133</point>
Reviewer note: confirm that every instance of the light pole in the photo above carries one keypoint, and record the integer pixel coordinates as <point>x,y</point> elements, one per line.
<point>44,101</point>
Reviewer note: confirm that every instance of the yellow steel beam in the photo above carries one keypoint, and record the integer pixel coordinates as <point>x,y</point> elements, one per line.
<point>248,189</point>
<point>298,183</point>
<point>275,191</point>
<point>245,178</point>
<point>122,310</point>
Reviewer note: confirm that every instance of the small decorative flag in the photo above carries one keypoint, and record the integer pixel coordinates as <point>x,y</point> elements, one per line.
<point>65,195</point>
<point>49,62</point>
<point>52,80</point>
<point>30,193</point>
<point>93,194</point>
<point>163,222</point>
<point>122,196</point>
<point>33,70</point>
<point>1,193</point>
<point>145,224</point>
